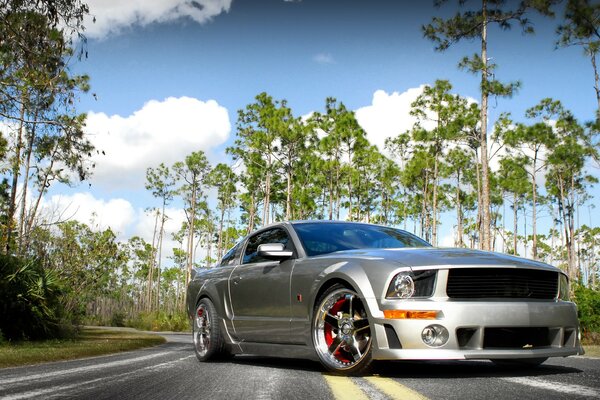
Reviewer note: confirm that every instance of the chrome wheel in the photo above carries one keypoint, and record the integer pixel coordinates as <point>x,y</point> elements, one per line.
<point>341,331</point>
<point>202,327</point>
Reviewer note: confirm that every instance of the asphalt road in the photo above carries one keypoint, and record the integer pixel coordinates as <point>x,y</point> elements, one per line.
<point>171,371</point>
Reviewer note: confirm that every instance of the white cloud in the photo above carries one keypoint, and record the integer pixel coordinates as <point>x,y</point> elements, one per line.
<point>388,115</point>
<point>117,214</point>
<point>162,131</point>
<point>113,16</point>
<point>323,58</point>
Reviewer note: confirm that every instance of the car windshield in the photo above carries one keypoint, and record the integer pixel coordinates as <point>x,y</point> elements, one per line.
<point>323,238</point>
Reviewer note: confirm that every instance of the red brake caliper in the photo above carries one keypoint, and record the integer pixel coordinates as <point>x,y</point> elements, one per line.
<point>329,329</point>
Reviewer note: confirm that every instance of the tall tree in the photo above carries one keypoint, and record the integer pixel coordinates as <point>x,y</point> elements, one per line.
<point>260,127</point>
<point>160,182</point>
<point>567,176</point>
<point>437,106</point>
<point>329,149</point>
<point>224,179</point>
<point>473,24</point>
<point>37,95</point>
<point>292,144</point>
<point>399,147</point>
<point>581,27</point>
<point>458,166</point>
<point>193,173</point>
<point>532,142</point>
<point>513,178</point>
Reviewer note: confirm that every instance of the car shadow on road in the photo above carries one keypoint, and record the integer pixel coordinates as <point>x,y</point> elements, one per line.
<point>414,369</point>
<point>275,362</point>
<point>464,369</point>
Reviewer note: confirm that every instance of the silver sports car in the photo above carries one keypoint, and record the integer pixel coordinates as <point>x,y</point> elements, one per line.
<point>350,293</point>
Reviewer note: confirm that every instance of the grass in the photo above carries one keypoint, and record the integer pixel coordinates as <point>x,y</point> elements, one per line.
<point>592,350</point>
<point>89,342</point>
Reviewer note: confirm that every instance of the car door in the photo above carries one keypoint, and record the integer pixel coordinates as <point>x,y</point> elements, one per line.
<point>260,291</point>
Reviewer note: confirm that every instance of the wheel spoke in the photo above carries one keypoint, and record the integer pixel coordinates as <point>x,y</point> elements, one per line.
<point>360,324</point>
<point>349,299</point>
<point>335,345</point>
<point>356,354</point>
<point>331,320</point>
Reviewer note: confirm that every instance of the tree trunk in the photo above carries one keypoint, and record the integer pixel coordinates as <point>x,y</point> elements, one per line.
<point>434,213</point>
<point>596,81</point>
<point>459,220</point>
<point>251,213</point>
<point>191,234</point>
<point>534,208</point>
<point>350,169</point>
<point>160,243</point>
<point>572,252</point>
<point>288,200</point>
<point>16,168</point>
<point>220,241</point>
<point>151,266</point>
<point>485,195</point>
<point>43,186</point>
<point>22,216</point>
<point>515,222</point>
<point>479,209</point>
<point>267,200</point>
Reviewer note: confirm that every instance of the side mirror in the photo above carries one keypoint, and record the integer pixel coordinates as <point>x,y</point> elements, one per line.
<point>274,251</point>
<point>193,273</point>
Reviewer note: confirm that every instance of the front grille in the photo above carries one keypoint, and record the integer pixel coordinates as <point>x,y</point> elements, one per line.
<point>501,283</point>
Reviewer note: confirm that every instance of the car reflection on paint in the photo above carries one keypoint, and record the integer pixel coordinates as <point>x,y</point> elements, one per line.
<point>350,293</point>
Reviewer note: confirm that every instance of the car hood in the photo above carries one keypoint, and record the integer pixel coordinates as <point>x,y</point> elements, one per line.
<point>431,256</point>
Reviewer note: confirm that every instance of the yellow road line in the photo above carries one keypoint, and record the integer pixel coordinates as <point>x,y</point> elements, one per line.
<point>394,389</point>
<point>344,389</point>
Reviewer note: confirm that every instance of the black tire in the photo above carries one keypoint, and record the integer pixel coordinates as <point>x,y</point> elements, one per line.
<point>342,341</point>
<point>206,331</point>
<point>520,363</point>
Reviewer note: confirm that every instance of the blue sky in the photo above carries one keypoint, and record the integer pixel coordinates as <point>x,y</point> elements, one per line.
<point>159,61</point>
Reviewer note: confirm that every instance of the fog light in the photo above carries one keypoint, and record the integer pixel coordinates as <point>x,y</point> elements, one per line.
<point>435,335</point>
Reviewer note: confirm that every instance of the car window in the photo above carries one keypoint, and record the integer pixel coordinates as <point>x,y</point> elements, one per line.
<point>277,235</point>
<point>232,257</point>
<point>323,238</point>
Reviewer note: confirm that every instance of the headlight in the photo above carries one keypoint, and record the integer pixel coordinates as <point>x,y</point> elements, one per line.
<point>563,287</point>
<point>409,284</point>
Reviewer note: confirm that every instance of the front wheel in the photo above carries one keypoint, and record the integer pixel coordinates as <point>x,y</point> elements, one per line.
<point>341,332</point>
<point>208,340</point>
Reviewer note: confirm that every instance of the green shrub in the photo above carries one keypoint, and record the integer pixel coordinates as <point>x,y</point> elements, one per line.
<point>118,319</point>
<point>160,321</point>
<point>588,305</point>
<point>29,301</point>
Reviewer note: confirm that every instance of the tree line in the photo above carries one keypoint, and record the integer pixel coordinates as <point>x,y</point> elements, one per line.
<point>286,167</point>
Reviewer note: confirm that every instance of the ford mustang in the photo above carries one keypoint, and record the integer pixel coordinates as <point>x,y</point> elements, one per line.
<point>350,293</point>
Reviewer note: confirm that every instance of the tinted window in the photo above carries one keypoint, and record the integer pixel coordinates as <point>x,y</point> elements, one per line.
<point>232,257</point>
<point>323,238</point>
<point>276,235</point>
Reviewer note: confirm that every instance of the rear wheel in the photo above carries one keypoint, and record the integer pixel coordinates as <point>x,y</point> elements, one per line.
<point>341,331</point>
<point>208,340</point>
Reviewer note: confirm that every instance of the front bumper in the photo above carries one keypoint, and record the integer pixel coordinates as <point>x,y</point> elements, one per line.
<point>553,323</point>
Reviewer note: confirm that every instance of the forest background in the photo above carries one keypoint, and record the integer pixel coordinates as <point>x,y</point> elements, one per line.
<point>489,179</point>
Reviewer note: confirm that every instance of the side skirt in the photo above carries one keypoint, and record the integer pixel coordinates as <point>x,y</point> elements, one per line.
<point>273,350</point>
